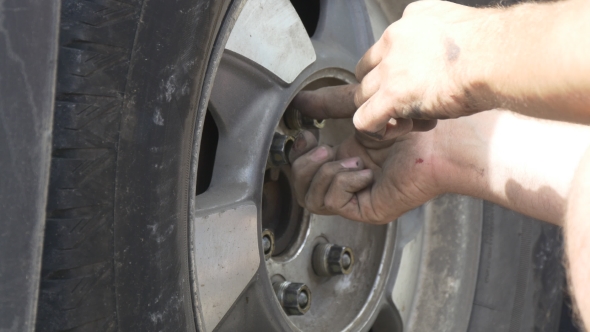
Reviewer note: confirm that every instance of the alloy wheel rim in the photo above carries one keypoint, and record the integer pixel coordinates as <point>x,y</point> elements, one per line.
<point>247,104</point>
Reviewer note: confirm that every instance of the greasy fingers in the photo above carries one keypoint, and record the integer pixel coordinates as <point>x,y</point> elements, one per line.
<point>425,66</point>
<point>333,102</point>
<point>305,167</point>
<point>303,143</point>
<point>341,198</point>
<point>314,198</point>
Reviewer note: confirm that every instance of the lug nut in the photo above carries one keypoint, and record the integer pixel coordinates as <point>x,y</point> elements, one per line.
<point>331,259</point>
<point>296,121</point>
<point>268,243</point>
<point>295,298</point>
<point>279,149</point>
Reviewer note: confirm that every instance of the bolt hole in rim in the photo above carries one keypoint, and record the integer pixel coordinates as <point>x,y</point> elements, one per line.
<point>345,300</point>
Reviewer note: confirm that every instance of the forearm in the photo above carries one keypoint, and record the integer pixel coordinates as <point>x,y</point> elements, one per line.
<point>524,164</point>
<point>534,59</point>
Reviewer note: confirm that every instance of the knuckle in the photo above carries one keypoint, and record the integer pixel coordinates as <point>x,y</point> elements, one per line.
<point>331,203</point>
<point>340,180</point>
<point>358,97</point>
<point>358,73</point>
<point>389,33</point>
<point>372,216</point>
<point>325,170</point>
<point>330,152</point>
<point>307,201</point>
<point>376,220</point>
<point>413,7</point>
<point>392,90</point>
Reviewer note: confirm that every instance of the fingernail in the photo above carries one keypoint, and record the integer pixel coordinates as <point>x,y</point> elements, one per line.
<point>300,142</point>
<point>319,154</point>
<point>377,136</point>
<point>358,123</point>
<point>350,163</point>
<point>365,172</point>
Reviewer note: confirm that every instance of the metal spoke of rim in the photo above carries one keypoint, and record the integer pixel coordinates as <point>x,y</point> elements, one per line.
<point>344,23</point>
<point>270,33</point>
<point>244,104</point>
<point>227,260</point>
<point>246,96</point>
<point>225,217</point>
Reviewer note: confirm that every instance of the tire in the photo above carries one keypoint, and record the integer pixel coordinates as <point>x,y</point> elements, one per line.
<point>129,97</point>
<point>115,247</point>
<point>521,276</point>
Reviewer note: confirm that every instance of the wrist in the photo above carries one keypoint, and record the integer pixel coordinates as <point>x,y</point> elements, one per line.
<point>517,62</point>
<point>479,72</point>
<point>459,157</point>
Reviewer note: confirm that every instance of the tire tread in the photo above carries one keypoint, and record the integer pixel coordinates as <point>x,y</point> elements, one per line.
<point>77,291</point>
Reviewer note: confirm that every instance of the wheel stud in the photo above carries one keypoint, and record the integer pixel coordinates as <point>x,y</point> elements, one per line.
<point>296,121</point>
<point>295,298</point>
<point>268,243</point>
<point>279,149</point>
<point>331,259</point>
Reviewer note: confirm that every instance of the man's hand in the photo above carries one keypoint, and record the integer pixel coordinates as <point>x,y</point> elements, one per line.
<point>442,60</point>
<point>369,185</point>
<point>498,156</point>
<point>417,70</point>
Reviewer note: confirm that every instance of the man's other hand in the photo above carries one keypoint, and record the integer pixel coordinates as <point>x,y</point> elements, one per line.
<point>369,185</point>
<point>419,69</point>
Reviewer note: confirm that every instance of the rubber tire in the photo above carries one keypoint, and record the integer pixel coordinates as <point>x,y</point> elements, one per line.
<point>521,276</point>
<point>131,78</point>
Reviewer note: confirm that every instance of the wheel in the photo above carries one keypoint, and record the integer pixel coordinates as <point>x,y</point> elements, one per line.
<point>171,203</point>
<point>252,184</point>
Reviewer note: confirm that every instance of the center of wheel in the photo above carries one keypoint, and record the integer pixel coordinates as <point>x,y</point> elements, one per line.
<point>298,248</point>
<point>280,212</point>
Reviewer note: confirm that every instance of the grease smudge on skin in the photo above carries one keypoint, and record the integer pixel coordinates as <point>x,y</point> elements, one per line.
<point>452,50</point>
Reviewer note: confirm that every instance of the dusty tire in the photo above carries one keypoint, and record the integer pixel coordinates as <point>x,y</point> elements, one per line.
<point>521,276</point>
<point>115,250</point>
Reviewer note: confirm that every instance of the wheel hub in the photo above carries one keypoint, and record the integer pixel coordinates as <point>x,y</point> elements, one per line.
<point>315,251</point>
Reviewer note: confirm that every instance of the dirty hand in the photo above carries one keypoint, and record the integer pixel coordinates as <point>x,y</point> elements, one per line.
<point>369,185</point>
<point>421,68</point>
